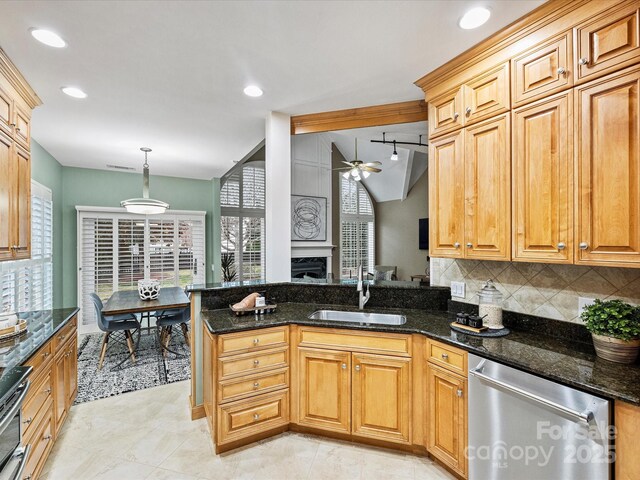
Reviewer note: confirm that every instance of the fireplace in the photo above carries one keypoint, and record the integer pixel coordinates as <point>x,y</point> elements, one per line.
<point>314,267</point>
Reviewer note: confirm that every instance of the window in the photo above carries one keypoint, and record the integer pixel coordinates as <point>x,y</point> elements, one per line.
<point>357,229</point>
<point>117,249</point>
<point>27,285</point>
<point>242,199</point>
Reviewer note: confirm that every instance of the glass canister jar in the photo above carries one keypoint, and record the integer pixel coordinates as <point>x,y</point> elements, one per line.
<point>490,306</point>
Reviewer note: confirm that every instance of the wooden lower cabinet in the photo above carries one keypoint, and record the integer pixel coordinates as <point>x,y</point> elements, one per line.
<point>447,400</point>
<point>41,444</point>
<point>325,389</point>
<point>65,378</point>
<point>627,423</point>
<point>381,397</point>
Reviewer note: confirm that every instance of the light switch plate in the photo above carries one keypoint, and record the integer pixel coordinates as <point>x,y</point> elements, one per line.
<point>584,302</point>
<point>457,289</point>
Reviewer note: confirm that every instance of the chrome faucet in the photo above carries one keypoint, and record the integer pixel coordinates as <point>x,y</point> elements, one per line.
<point>363,298</point>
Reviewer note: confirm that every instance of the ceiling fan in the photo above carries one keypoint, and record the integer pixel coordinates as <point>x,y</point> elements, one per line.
<point>357,169</point>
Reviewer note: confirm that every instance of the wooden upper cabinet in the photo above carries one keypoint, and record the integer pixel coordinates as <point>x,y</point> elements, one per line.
<point>608,169</point>
<point>381,397</point>
<point>447,437</point>
<point>22,127</point>
<point>607,43</point>
<point>542,70</point>
<point>6,112</point>
<point>487,94</point>
<point>325,389</point>
<point>542,172</point>
<point>6,216</point>
<point>488,190</point>
<point>446,196</point>
<point>446,113</point>
<point>22,204</point>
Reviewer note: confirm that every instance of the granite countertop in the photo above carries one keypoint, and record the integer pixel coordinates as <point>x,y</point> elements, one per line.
<point>570,363</point>
<point>41,326</point>
<point>350,283</point>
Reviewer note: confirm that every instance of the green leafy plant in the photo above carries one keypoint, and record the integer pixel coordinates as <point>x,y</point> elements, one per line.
<point>228,264</point>
<point>612,318</point>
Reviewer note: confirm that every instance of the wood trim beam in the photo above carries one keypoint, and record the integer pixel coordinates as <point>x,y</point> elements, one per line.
<point>389,114</point>
<point>17,81</point>
<point>541,16</point>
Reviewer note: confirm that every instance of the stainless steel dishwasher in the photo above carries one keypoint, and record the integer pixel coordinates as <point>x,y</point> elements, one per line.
<point>527,428</point>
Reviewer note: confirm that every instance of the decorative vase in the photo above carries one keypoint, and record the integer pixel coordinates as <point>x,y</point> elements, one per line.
<point>616,350</point>
<point>148,289</point>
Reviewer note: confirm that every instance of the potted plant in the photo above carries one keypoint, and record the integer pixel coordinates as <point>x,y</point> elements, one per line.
<point>615,329</point>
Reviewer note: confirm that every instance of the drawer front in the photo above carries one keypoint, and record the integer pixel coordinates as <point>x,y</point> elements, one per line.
<point>39,358</point>
<point>253,340</point>
<point>64,334</point>
<point>543,70</point>
<point>445,113</point>
<point>242,419</point>
<point>249,386</point>
<point>487,94</point>
<point>41,443</point>
<point>369,342</point>
<point>39,395</point>
<point>253,362</point>
<point>448,357</point>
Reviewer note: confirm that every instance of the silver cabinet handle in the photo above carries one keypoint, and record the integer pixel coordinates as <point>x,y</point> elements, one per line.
<point>256,362</point>
<point>12,125</point>
<point>456,245</point>
<point>45,354</point>
<point>470,245</point>
<point>256,341</point>
<point>256,384</point>
<point>459,392</point>
<point>586,416</point>
<point>357,368</point>
<point>17,129</point>
<point>445,356</point>
<point>47,391</point>
<point>456,115</point>
<point>562,71</point>
<point>256,416</point>
<point>561,246</point>
<point>344,366</point>
<point>583,61</point>
<point>468,110</point>
<point>583,246</point>
<point>27,421</point>
<point>46,437</point>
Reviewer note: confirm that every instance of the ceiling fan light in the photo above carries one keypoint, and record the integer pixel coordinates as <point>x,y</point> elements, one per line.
<point>357,178</point>
<point>346,174</point>
<point>365,174</point>
<point>394,156</point>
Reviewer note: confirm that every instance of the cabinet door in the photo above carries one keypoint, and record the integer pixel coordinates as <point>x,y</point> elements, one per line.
<point>447,437</point>
<point>487,190</point>
<point>542,70</point>
<point>487,94</point>
<point>59,390</point>
<point>325,389</point>
<point>608,183</point>
<point>6,189</point>
<point>6,113</point>
<point>445,113</point>
<point>607,43</point>
<point>446,196</point>
<point>542,167</point>
<point>381,399</point>
<point>22,203</point>
<point>22,128</point>
<point>71,370</point>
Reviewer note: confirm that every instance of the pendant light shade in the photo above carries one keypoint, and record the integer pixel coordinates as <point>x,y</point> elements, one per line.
<point>145,205</point>
<point>394,155</point>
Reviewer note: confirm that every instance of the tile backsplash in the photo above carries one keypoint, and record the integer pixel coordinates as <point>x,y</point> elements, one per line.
<point>545,290</point>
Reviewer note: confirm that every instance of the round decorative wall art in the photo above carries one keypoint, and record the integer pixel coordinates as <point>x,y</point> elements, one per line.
<point>308,218</point>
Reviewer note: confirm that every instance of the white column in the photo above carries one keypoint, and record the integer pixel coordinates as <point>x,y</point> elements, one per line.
<point>278,197</point>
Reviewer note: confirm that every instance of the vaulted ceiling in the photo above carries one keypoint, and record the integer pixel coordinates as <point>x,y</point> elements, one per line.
<point>170,74</point>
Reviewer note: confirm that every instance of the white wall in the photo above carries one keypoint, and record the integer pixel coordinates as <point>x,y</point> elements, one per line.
<point>278,201</point>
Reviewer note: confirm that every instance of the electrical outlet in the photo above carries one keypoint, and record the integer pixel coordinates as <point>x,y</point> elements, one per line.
<point>584,302</point>
<point>457,289</point>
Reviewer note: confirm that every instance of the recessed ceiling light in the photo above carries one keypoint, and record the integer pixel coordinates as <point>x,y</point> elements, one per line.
<point>253,91</point>
<point>74,92</point>
<point>474,18</point>
<point>48,38</point>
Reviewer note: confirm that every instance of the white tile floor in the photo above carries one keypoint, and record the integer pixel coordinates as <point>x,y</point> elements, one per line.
<point>149,435</point>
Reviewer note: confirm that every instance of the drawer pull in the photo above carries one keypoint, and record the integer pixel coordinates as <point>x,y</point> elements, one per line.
<point>61,337</point>
<point>47,391</point>
<point>28,477</point>
<point>583,61</point>
<point>344,366</point>
<point>256,341</point>
<point>468,110</point>
<point>256,385</point>
<point>12,125</point>
<point>445,356</point>
<point>459,392</point>
<point>47,437</point>
<point>583,246</point>
<point>45,354</point>
<point>561,246</point>
<point>456,245</point>
<point>357,368</point>
<point>256,362</point>
<point>456,115</point>
<point>27,421</point>
<point>256,416</point>
<point>562,71</point>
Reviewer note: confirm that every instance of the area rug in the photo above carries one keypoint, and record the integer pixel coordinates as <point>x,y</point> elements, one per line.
<point>150,369</point>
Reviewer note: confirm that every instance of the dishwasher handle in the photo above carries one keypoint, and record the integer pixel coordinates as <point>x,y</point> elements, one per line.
<point>586,416</point>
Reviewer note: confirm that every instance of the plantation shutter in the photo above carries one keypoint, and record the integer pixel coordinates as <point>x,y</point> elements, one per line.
<point>357,230</point>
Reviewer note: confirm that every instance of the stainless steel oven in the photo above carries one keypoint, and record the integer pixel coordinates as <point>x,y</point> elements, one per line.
<point>13,455</point>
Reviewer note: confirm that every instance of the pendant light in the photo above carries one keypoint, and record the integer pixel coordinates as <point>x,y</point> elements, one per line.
<point>394,155</point>
<point>145,205</point>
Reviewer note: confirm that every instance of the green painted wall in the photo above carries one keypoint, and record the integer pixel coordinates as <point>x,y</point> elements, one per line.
<point>47,171</point>
<point>99,188</point>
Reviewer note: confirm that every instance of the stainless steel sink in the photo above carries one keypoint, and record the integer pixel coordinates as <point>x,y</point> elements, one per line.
<point>359,317</point>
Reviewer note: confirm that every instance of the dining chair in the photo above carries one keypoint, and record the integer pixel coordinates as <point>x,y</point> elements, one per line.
<point>113,325</point>
<point>168,319</point>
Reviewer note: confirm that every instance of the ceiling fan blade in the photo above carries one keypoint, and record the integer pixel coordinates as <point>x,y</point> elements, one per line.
<point>370,169</point>
<point>348,163</point>
<point>372,164</point>
<point>342,168</point>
